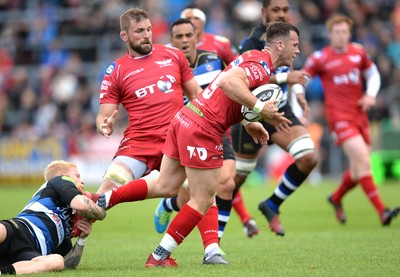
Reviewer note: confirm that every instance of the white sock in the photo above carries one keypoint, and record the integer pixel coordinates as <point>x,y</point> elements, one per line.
<point>211,250</point>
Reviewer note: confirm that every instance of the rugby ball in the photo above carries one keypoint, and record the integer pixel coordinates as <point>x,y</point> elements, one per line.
<point>263,93</point>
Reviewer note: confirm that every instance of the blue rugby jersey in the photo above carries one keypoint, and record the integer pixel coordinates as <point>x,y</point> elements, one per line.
<point>48,214</point>
<point>206,67</point>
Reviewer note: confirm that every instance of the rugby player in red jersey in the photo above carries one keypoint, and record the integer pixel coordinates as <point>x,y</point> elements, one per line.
<point>341,66</point>
<point>148,81</point>
<point>223,48</point>
<point>193,147</point>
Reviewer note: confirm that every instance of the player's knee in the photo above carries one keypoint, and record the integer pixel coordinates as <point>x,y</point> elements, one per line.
<point>227,184</point>
<point>243,168</point>
<point>53,262</point>
<point>117,174</point>
<point>303,151</point>
<point>58,262</point>
<point>3,233</point>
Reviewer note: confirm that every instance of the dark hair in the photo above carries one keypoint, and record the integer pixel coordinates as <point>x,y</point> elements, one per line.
<point>180,21</point>
<point>266,3</point>
<point>132,14</point>
<point>279,29</point>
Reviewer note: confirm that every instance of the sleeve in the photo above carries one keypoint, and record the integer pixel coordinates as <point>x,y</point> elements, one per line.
<point>109,92</point>
<point>65,188</point>
<point>64,247</point>
<point>256,73</point>
<point>366,60</point>
<point>310,66</point>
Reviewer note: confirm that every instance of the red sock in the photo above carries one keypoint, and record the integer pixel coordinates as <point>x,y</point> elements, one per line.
<point>372,193</point>
<point>133,191</point>
<point>240,208</point>
<point>183,223</point>
<point>346,185</point>
<point>208,227</point>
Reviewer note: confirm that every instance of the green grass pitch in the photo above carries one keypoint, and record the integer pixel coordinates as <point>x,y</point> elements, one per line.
<point>314,244</point>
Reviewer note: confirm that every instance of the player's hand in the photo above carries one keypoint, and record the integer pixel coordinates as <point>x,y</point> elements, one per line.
<point>298,77</point>
<point>107,127</point>
<point>270,108</point>
<point>258,132</point>
<point>85,226</point>
<point>279,122</point>
<point>301,99</point>
<point>367,102</point>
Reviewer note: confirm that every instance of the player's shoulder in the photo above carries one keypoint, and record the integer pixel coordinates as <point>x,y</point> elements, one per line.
<point>356,47</point>
<point>168,50</point>
<point>218,38</point>
<point>203,54</point>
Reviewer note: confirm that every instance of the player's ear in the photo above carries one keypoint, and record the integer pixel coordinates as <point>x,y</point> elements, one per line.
<point>280,45</point>
<point>124,36</point>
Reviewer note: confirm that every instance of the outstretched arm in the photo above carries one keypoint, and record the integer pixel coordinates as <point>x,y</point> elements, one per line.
<point>73,257</point>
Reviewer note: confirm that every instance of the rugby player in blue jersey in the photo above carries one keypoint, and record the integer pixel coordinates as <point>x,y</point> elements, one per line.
<point>296,141</point>
<point>38,239</point>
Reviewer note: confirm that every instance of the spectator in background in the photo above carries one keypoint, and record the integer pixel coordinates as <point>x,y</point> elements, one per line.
<point>341,66</point>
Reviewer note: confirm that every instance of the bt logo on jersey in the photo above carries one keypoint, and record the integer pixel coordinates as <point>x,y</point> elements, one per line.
<point>164,84</point>
<point>352,76</point>
<point>200,152</point>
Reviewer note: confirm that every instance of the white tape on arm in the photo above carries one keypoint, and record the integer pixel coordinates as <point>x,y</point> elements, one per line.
<point>258,106</point>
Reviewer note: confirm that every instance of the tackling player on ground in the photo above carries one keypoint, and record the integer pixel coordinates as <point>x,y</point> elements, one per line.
<point>38,239</point>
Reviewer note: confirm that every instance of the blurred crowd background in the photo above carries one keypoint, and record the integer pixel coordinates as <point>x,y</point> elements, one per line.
<point>53,54</point>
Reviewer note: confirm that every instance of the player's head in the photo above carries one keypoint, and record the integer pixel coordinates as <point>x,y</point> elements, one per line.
<point>197,16</point>
<point>339,30</point>
<point>275,10</point>
<point>282,43</point>
<point>136,31</point>
<point>183,37</point>
<point>64,168</point>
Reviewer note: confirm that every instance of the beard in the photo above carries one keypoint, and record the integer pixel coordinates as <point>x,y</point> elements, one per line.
<point>142,48</point>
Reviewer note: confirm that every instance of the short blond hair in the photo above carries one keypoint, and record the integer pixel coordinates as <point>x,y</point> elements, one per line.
<point>56,168</point>
<point>338,18</point>
<point>132,14</point>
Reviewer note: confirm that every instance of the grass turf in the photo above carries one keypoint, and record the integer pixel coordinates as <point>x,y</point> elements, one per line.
<point>315,244</point>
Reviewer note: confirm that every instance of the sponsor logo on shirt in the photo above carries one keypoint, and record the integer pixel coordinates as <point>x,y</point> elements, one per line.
<point>236,62</point>
<point>195,109</point>
<point>164,63</point>
<point>352,76</point>
<point>133,73</point>
<point>219,147</point>
<point>256,72</point>
<point>104,85</point>
<point>265,66</point>
<point>110,68</point>
<point>355,58</point>
<point>183,121</point>
<point>165,83</point>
